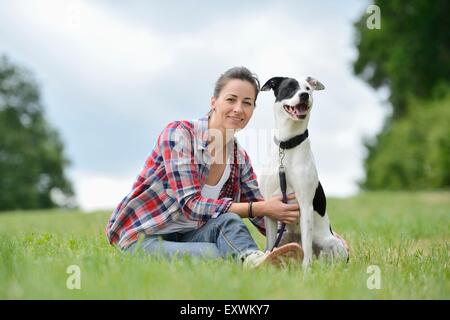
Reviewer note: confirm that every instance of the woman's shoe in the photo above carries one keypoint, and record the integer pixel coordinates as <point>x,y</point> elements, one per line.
<point>279,257</point>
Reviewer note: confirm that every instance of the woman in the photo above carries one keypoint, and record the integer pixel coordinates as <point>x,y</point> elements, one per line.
<point>198,184</point>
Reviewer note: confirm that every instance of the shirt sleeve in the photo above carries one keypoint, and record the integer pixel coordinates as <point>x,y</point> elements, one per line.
<point>181,166</point>
<point>250,190</point>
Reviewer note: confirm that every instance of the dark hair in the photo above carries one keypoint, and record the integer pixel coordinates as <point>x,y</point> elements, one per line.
<point>241,73</point>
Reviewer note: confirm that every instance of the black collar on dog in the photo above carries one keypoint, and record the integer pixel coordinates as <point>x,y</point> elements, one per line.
<point>292,142</point>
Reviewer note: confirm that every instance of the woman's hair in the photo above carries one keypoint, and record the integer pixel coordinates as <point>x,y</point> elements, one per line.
<point>240,73</point>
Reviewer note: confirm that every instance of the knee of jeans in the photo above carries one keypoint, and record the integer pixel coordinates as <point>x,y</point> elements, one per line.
<point>145,243</point>
<point>229,217</point>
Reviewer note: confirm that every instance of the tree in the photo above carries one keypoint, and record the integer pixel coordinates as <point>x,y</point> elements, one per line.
<point>410,55</point>
<point>31,153</point>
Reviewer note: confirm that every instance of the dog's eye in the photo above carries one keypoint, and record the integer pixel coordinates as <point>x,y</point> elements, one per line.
<point>307,88</point>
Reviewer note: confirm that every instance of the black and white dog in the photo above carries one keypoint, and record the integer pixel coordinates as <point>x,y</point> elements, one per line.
<point>292,108</point>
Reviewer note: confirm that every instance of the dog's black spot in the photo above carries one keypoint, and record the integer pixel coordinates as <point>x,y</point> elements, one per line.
<point>283,88</point>
<point>286,89</point>
<point>320,201</point>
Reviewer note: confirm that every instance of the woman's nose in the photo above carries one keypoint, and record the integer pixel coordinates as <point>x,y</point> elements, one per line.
<point>239,106</point>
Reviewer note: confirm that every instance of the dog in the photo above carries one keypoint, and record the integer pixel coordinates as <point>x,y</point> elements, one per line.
<point>292,109</point>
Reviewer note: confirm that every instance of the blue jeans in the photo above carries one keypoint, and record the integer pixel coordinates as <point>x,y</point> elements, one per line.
<point>221,237</point>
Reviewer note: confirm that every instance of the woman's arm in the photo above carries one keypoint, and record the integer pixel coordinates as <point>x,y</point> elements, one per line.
<point>273,208</point>
<point>241,209</point>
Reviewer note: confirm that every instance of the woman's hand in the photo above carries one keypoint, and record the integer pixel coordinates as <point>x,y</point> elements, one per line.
<point>287,213</point>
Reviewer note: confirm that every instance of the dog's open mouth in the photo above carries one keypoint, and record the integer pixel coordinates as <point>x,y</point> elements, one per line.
<point>299,111</point>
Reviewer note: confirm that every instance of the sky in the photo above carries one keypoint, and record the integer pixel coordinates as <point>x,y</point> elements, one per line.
<point>113,73</point>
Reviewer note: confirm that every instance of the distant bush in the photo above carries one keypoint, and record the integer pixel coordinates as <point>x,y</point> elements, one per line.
<point>413,152</point>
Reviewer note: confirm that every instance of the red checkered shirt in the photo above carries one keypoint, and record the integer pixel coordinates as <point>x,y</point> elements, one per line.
<point>171,181</point>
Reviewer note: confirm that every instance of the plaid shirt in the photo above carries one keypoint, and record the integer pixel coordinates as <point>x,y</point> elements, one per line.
<point>170,185</point>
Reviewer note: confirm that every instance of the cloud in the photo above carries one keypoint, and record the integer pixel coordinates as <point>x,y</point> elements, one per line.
<point>100,192</point>
<point>113,75</point>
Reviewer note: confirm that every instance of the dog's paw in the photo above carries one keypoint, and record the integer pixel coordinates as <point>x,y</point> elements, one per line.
<point>334,249</point>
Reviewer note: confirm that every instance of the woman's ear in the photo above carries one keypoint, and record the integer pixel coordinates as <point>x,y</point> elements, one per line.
<point>213,103</point>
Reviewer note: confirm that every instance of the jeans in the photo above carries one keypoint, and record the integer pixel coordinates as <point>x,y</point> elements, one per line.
<point>221,237</point>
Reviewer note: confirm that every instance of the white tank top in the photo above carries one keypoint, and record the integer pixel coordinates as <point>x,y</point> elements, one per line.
<point>213,192</point>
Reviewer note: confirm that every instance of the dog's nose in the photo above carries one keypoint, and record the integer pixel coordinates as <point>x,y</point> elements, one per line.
<point>304,96</point>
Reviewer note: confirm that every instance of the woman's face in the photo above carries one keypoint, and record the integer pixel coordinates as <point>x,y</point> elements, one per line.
<point>234,106</point>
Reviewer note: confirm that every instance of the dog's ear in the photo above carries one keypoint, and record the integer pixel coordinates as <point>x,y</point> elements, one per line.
<point>316,84</point>
<point>272,83</point>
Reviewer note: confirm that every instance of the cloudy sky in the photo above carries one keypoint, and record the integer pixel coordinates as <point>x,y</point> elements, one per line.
<point>113,73</point>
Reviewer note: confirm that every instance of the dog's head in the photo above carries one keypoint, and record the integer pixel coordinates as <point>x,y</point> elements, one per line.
<point>293,98</point>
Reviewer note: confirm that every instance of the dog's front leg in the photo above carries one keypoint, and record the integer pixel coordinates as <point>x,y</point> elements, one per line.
<point>271,232</point>
<point>306,229</point>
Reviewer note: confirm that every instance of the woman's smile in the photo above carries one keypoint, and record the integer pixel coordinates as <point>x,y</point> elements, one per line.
<point>236,119</point>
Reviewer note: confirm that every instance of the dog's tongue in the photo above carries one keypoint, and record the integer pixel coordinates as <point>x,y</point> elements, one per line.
<point>300,109</point>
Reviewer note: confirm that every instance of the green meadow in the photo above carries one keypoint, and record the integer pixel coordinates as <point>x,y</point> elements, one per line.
<point>405,235</point>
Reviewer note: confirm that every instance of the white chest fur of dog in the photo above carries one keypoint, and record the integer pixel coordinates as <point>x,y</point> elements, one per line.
<point>292,109</point>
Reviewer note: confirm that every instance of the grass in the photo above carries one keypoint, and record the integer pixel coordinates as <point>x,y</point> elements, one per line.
<point>405,234</point>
